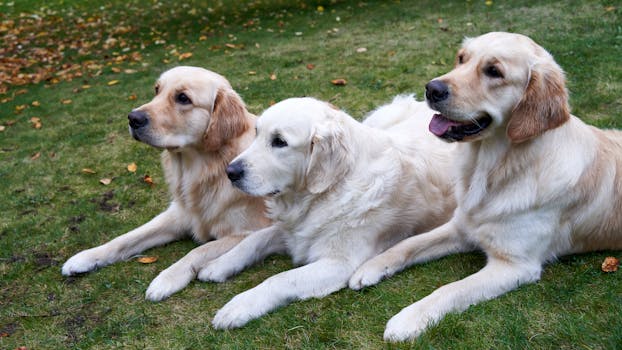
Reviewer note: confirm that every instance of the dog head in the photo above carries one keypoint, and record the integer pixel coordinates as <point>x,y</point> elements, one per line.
<point>501,82</point>
<point>192,107</point>
<point>301,144</point>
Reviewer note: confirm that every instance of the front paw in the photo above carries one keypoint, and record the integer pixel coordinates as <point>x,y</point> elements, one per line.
<point>367,275</point>
<point>407,325</point>
<point>168,282</point>
<point>214,272</point>
<point>85,261</point>
<point>238,311</point>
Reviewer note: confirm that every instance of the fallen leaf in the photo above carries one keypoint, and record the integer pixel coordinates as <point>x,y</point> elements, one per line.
<point>310,66</point>
<point>203,38</point>
<point>231,46</point>
<point>4,335</point>
<point>252,72</point>
<point>2,127</point>
<point>185,55</point>
<point>361,49</point>
<point>132,167</point>
<point>116,69</point>
<point>35,156</point>
<point>131,97</point>
<point>130,71</point>
<point>339,82</point>
<point>84,87</point>
<point>610,8</point>
<point>36,122</point>
<point>88,171</point>
<point>36,103</point>
<point>20,108</point>
<point>272,76</point>
<point>147,259</point>
<point>105,181</point>
<point>66,101</point>
<point>113,82</point>
<point>147,179</point>
<point>610,264</point>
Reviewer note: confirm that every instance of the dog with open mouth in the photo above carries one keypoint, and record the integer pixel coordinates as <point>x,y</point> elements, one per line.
<point>339,192</point>
<point>535,181</point>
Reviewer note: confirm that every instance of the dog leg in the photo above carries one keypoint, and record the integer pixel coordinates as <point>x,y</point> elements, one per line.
<point>437,243</point>
<point>255,247</point>
<point>317,279</point>
<point>164,228</point>
<point>177,276</point>
<point>496,278</point>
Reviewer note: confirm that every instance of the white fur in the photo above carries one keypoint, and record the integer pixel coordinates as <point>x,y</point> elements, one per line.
<point>344,192</point>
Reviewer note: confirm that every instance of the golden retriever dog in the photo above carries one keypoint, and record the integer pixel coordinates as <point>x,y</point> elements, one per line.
<point>536,182</point>
<point>340,192</point>
<point>201,124</point>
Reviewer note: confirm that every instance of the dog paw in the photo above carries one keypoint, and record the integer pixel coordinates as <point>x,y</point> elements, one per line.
<point>238,311</point>
<point>367,275</point>
<point>214,272</point>
<point>82,262</point>
<point>407,325</point>
<point>167,283</point>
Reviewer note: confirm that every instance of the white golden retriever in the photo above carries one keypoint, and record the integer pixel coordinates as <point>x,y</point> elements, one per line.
<point>340,193</point>
<point>536,182</point>
<point>202,124</point>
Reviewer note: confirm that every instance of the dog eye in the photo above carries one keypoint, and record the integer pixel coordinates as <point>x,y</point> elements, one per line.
<point>493,72</point>
<point>183,99</point>
<point>278,142</point>
<point>157,89</point>
<point>460,59</point>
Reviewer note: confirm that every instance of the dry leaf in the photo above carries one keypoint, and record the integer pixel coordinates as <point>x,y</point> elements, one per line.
<point>361,49</point>
<point>130,71</point>
<point>35,156</point>
<point>105,181</point>
<point>272,76</point>
<point>84,87</point>
<point>36,122</point>
<point>148,180</point>
<point>88,171</point>
<point>66,101</point>
<point>252,72</point>
<point>113,82</point>
<point>132,167</point>
<point>2,127</point>
<point>185,55</point>
<point>231,46</point>
<point>19,108</point>
<point>147,259</point>
<point>610,8</point>
<point>36,103</point>
<point>339,82</point>
<point>131,97</point>
<point>116,69</point>
<point>610,264</point>
<point>310,66</point>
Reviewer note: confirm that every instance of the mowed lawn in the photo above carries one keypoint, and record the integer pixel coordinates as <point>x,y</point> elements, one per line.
<point>70,71</point>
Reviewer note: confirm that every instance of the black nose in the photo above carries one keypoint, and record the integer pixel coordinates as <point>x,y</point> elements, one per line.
<point>138,119</point>
<point>436,91</point>
<point>235,171</point>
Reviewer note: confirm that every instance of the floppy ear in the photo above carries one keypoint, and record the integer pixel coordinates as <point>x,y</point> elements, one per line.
<point>544,105</point>
<point>331,157</point>
<point>228,120</point>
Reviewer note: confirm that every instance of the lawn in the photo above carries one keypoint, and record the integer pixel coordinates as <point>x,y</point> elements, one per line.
<point>70,71</point>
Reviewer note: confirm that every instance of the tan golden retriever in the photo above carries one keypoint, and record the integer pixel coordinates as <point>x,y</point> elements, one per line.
<point>340,192</point>
<point>202,124</point>
<point>536,181</point>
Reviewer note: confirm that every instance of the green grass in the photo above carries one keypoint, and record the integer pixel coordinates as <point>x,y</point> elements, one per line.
<point>51,209</point>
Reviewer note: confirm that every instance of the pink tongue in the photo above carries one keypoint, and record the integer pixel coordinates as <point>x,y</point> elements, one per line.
<point>439,124</point>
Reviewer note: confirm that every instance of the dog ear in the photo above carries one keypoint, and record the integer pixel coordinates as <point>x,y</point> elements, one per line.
<point>228,120</point>
<point>544,105</point>
<point>331,157</point>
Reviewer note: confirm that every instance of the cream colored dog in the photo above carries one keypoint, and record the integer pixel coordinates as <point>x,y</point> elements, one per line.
<point>201,124</point>
<point>340,193</point>
<point>536,182</point>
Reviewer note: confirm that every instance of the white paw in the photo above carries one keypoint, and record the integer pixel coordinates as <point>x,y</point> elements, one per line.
<point>85,261</point>
<point>239,311</point>
<point>215,272</point>
<point>408,324</point>
<point>367,275</point>
<point>168,282</point>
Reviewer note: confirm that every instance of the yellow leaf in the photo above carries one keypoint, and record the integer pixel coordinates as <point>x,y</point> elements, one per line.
<point>129,71</point>
<point>66,101</point>
<point>131,97</point>
<point>231,46</point>
<point>36,122</point>
<point>84,87</point>
<point>105,181</point>
<point>148,180</point>
<point>113,82</point>
<point>36,103</point>
<point>88,171</point>
<point>147,259</point>
<point>35,156</point>
<point>132,167</point>
<point>272,76</point>
<point>185,55</point>
<point>203,38</point>
<point>20,108</point>
<point>116,69</point>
